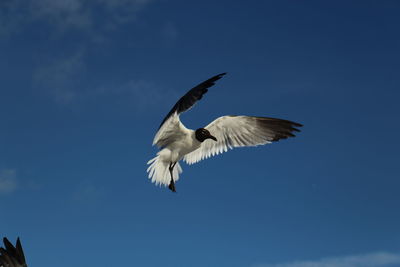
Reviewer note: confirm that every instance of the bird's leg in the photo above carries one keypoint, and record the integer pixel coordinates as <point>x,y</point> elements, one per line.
<point>172,183</point>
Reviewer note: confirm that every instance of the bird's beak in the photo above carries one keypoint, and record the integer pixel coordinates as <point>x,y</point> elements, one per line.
<point>213,138</point>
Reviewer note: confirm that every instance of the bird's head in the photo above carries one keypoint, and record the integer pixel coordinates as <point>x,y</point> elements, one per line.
<point>203,134</point>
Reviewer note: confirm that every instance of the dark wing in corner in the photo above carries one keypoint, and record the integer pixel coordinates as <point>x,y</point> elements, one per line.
<point>191,97</point>
<point>11,256</point>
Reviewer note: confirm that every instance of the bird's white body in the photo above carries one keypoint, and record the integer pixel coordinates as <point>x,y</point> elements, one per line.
<point>178,141</point>
<point>179,148</point>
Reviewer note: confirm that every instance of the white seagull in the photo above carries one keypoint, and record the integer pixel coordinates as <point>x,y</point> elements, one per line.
<point>11,256</point>
<point>176,142</point>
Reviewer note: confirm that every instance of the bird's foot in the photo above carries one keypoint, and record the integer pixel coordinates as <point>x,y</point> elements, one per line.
<point>172,186</point>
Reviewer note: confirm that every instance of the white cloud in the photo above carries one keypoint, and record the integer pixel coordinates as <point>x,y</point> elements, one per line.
<point>169,33</point>
<point>377,259</point>
<point>87,193</point>
<point>142,95</point>
<point>69,14</point>
<point>62,13</point>
<point>63,77</point>
<point>145,95</point>
<point>10,17</point>
<point>8,181</point>
<point>60,76</point>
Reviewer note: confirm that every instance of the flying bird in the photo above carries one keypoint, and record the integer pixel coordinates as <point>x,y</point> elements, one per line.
<point>176,142</point>
<point>11,256</point>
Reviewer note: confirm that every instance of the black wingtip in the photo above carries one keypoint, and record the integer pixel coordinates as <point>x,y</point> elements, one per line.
<point>210,82</point>
<point>219,76</point>
<point>282,129</point>
<point>297,124</point>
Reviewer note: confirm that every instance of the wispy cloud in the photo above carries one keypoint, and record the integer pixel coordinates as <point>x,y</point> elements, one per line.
<point>63,73</point>
<point>143,95</point>
<point>64,15</point>
<point>60,76</point>
<point>61,13</point>
<point>87,193</point>
<point>10,17</point>
<point>170,33</point>
<point>8,181</point>
<point>377,259</point>
<point>62,79</point>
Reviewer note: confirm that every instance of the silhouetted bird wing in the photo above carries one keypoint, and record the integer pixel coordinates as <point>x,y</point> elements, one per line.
<point>240,131</point>
<point>11,256</point>
<point>171,124</point>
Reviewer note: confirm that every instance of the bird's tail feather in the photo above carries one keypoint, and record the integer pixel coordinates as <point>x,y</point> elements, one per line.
<point>159,171</point>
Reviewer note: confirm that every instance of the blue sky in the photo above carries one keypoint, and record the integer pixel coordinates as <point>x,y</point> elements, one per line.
<point>85,84</point>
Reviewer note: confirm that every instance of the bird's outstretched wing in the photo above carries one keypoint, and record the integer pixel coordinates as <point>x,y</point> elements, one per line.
<point>171,124</point>
<point>190,98</point>
<point>11,256</point>
<point>239,131</point>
